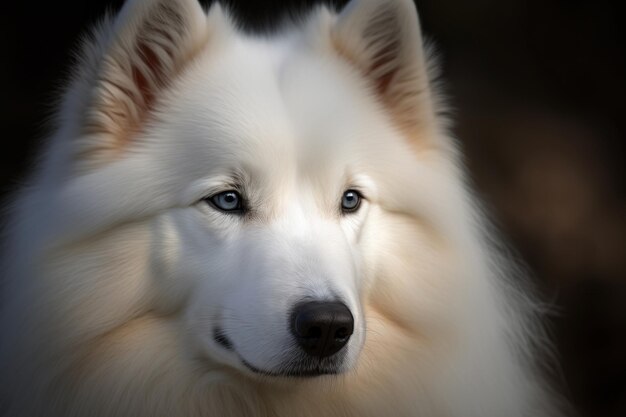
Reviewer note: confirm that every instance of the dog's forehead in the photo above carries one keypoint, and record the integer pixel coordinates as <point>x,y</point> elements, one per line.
<point>228,103</point>
<point>276,100</point>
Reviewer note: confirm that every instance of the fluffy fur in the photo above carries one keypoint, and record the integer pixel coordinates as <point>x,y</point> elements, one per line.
<point>117,272</point>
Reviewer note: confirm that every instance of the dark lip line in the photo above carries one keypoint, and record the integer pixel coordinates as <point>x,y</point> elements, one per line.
<point>222,339</point>
<point>287,374</point>
<point>219,336</point>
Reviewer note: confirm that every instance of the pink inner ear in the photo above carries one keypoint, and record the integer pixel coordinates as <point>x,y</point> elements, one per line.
<point>152,74</point>
<point>384,43</point>
<point>144,87</point>
<point>156,76</point>
<point>383,59</point>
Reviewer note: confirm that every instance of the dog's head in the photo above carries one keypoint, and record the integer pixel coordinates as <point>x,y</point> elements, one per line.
<point>272,174</point>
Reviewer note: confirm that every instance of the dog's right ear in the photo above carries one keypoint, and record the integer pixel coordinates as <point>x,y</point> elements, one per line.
<point>126,66</point>
<point>382,39</point>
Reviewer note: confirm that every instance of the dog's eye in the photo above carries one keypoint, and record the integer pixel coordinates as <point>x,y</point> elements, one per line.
<point>350,201</point>
<point>229,201</point>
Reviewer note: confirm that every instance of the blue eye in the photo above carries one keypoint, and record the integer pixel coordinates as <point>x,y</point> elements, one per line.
<point>350,201</point>
<point>229,201</point>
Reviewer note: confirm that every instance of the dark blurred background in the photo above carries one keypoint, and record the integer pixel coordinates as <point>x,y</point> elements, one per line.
<point>538,88</point>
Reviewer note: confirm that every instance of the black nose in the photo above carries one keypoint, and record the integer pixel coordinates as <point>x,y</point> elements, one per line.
<point>322,328</point>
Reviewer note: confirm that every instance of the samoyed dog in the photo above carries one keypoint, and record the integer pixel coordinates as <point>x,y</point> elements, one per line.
<point>227,224</point>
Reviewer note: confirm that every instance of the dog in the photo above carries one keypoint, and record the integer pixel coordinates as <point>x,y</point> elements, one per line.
<point>233,224</point>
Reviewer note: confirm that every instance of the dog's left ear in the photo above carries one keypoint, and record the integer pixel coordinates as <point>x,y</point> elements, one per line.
<point>382,39</point>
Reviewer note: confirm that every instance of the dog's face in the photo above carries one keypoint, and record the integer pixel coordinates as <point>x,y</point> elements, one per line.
<point>267,167</point>
<point>269,239</point>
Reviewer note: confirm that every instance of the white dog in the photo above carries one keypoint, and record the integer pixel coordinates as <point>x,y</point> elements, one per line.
<point>226,224</point>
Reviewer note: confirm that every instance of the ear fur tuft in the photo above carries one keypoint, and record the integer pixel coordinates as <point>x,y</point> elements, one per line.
<point>382,40</point>
<point>132,59</point>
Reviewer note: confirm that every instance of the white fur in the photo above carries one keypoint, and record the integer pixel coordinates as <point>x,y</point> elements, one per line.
<point>116,270</point>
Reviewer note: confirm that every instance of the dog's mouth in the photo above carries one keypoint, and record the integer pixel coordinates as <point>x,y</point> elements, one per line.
<point>222,340</point>
<point>294,370</point>
<point>300,366</point>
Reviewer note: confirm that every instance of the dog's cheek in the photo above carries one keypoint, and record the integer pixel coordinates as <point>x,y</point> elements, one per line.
<point>410,269</point>
<point>165,262</point>
<point>182,258</point>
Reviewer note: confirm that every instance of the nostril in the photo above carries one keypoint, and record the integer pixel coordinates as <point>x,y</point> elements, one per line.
<point>342,333</point>
<point>313,333</point>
